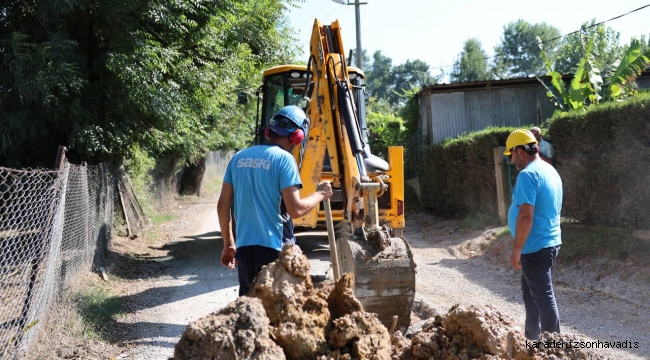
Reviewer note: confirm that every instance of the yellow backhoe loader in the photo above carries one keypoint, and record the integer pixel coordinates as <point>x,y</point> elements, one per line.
<point>368,201</point>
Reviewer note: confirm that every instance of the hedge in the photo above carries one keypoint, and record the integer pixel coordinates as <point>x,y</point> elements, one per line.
<point>603,157</point>
<point>457,176</point>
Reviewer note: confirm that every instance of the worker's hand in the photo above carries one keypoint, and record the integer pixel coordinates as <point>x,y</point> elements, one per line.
<point>228,258</point>
<point>325,188</point>
<point>515,259</point>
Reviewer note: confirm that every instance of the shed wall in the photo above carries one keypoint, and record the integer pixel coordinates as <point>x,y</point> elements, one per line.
<point>453,113</point>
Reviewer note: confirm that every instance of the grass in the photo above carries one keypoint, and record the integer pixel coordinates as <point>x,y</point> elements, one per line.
<point>579,241</point>
<point>211,186</point>
<point>158,218</point>
<point>478,221</point>
<point>503,231</point>
<point>81,319</point>
<point>96,311</point>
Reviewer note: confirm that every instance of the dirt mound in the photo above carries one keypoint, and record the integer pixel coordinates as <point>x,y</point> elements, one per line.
<point>285,317</point>
<point>485,333</point>
<point>298,315</point>
<point>359,335</point>
<point>238,331</point>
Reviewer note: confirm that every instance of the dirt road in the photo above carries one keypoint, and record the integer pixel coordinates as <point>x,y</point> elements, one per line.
<point>453,268</point>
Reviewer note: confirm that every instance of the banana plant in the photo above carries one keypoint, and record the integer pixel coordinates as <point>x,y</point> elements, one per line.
<point>588,87</point>
<point>631,66</point>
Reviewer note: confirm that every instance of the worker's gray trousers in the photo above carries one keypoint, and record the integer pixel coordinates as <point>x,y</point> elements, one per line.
<point>537,287</point>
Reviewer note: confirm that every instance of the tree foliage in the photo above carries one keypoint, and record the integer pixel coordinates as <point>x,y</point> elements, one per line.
<point>388,83</point>
<point>588,85</point>
<point>393,98</point>
<point>605,48</point>
<point>378,74</point>
<point>411,74</point>
<point>471,64</point>
<point>103,77</point>
<point>518,55</point>
<point>386,129</point>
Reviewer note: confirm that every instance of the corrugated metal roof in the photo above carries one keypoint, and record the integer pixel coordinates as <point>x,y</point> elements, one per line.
<point>488,84</point>
<point>644,78</point>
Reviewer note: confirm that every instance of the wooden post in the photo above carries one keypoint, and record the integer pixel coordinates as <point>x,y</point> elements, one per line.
<point>499,175</point>
<point>332,239</point>
<point>60,158</point>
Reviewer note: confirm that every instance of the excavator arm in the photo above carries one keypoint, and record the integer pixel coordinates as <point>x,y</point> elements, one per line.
<point>368,201</point>
<point>372,250</point>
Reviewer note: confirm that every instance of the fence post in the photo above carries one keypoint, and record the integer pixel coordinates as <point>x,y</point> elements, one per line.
<point>60,158</point>
<point>60,161</point>
<point>499,175</point>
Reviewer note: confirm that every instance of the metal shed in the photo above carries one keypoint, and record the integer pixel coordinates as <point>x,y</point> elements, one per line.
<point>449,110</point>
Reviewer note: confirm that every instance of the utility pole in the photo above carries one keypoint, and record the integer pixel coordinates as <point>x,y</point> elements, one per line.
<point>357,13</point>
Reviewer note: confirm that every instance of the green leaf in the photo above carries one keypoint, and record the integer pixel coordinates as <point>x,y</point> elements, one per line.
<point>557,94</point>
<point>576,89</point>
<point>632,64</point>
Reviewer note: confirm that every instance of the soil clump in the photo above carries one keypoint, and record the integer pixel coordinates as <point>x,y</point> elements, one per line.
<point>285,317</point>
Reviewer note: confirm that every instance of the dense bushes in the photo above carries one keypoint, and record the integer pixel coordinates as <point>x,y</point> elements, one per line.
<point>603,157</point>
<point>601,154</point>
<point>457,176</point>
<point>385,130</point>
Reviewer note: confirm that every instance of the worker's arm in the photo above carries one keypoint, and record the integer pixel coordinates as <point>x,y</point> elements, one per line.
<point>524,224</point>
<point>297,207</point>
<point>223,210</point>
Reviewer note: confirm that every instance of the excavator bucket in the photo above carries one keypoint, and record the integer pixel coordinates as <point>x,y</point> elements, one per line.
<point>384,280</point>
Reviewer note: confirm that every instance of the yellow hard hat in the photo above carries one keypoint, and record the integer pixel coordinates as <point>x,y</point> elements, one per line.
<point>519,137</point>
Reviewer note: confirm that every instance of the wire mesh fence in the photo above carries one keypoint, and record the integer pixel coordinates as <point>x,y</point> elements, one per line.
<point>54,225</point>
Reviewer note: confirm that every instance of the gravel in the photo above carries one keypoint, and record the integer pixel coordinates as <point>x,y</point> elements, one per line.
<point>452,271</point>
<point>452,268</point>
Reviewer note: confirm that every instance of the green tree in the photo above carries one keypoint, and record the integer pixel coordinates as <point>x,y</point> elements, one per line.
<point>107,77</point>
<point>518,55</point>
<point>606,49</point>
<point>471,64</point>
<point>388,83</point>
<point>411,74</point>
<point>645,44</point>
<point>378,75</point>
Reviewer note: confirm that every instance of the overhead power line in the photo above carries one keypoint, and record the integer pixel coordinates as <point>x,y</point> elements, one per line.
<point>311,17</point>
<point>303,9</point>
<point>549,40</point>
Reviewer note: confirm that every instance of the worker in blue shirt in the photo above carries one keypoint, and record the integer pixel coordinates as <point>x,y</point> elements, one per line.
<point>534,221</point>
<point>261,186</point>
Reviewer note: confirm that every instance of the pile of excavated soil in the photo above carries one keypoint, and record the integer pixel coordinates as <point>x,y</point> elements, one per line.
<point>285,317</point>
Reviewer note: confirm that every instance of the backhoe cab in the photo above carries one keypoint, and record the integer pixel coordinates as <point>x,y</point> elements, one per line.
<point>368,201</point>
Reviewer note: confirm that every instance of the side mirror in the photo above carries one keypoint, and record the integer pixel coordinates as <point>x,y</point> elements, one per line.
<point>242,98</point>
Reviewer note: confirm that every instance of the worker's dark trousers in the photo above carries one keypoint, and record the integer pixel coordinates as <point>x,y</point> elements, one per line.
<point>251,259</point>
<point>537,287</point>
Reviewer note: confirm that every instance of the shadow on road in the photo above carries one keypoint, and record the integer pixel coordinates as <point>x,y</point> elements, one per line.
<point>192,270</point>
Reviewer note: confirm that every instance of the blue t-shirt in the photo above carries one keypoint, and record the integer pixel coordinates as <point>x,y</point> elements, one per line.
<point>538,185</point>
<point>258,175</point>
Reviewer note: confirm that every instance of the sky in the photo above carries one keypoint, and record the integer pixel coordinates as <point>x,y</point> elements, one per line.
<point>434,31</point>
